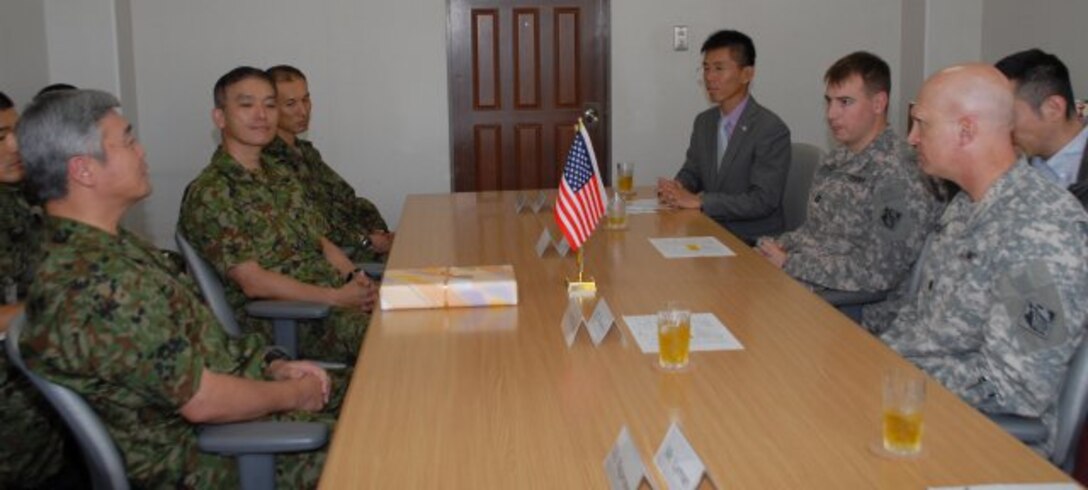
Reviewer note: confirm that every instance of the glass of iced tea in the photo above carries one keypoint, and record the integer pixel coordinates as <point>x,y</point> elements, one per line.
<point>617,213</point>
<point>904,397</point>
<point>625,179</point>
<point>673,335</point>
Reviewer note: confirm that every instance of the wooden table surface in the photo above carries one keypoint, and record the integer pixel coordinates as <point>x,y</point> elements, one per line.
<point>493,397</point>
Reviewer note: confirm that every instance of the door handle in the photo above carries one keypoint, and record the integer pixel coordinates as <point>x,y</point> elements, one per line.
<point>590,117</point>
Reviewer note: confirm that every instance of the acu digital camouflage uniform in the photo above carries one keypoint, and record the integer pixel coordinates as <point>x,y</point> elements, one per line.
<point>868,215</point>
<point>233,216</point>
<point>112,319</point>
<point>32,448</point>
<point>350,217</point>
<point>998,304</point>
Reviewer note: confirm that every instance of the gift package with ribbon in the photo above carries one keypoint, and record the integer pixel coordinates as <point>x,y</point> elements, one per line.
<point>449,287</point>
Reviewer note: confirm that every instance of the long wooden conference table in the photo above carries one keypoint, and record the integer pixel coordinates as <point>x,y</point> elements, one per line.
<point>494,398</point>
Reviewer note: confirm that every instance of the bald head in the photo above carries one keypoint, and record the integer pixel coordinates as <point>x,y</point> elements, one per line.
<point>976,91</point>
<point>963,124</point>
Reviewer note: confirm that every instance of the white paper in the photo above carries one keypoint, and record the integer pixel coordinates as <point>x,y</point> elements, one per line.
<point>707,333</point>
<point>677,461</point>
<point>562,247</point>
<point>623,465</point>
<point>543,242</point>
<point>600,322</point>
<point>691,246</point>
<point>1013,486</point>
<point>643,206</point>
<point>572,321</point>
<point>519,204</point>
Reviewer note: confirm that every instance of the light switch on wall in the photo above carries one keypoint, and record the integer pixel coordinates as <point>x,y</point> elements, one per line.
<point>680,38</point>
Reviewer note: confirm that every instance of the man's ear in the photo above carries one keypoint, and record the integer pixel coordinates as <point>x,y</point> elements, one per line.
<point>81,170</point>
<point>880,102</point>
<point>967,129</point>
<point>219,118</point>
<point>1053,108</point>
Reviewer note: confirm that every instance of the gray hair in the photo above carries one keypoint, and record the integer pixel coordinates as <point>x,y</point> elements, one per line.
<point>56,127</point>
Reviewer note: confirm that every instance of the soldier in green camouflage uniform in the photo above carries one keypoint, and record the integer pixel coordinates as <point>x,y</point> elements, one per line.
<point>232,216</point>
<point>110,317</point>
<point>355,223</point>
<point>32,449</point>
<point>996,307</point>
<point>250,218</point>
<point>869,208</point>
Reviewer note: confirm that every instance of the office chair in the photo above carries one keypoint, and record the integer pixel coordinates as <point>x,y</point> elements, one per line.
<point>283,314</point>
<point>806,158</point>
<point>1072,410</point>
<point>253,444</point>
<point>851,303</point>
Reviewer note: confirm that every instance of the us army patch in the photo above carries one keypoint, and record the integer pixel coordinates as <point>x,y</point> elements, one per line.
<point>1038,319</point>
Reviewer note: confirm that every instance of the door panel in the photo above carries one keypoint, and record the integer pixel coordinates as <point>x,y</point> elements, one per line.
<point>521,72</point>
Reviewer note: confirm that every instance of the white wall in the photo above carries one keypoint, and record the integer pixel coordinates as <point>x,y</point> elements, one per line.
<point>655,91</point>
<point>82,42</point>
<point>953,33</point>
<point>24,60</point>
<point>1055,26</point>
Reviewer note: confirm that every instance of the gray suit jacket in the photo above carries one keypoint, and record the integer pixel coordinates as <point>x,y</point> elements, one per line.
<point>745,196</point>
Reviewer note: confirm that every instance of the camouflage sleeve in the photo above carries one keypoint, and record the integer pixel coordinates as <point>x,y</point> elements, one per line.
<point>1030,338</point>
<point>120,335</point>
<point>367,214</point>
<point>223,234</point>
<point>878,258</point>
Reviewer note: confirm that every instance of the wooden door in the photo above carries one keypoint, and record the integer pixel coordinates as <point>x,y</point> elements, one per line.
<point>521,73</point>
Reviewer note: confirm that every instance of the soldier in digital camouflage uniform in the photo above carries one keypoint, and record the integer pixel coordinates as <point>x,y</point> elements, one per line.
<point>997,306</point>
<point>869,208</point>
<point>33,448</point>
<point>252,222</point>
<point>355,223</point>
<point>111,318</point>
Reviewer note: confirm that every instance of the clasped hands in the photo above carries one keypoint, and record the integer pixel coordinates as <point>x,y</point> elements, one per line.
<point>673,194</point>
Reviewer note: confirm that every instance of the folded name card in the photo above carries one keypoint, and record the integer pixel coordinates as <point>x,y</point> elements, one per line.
<point>445,287</point>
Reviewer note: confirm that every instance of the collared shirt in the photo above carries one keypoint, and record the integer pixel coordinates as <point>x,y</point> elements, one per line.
<point>733,116</point>
<point>997,310</point>
<point>868,215</point>
<point>1063,166</point>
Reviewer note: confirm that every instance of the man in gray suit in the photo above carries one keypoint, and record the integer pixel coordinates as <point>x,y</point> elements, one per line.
<point>739,153</point>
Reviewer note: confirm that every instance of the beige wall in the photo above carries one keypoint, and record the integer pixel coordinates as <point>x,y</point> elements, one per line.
<point>24,62</point>
<point>1056,26</point>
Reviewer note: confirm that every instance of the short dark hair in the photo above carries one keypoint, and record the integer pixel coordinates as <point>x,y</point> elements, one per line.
<point>1039,75</point>
<point>234,76</point>
<point>285,73</point>
<point>874,72</point>
<point>744,51</point>
<point>54,87</point>
<point>5,102</point>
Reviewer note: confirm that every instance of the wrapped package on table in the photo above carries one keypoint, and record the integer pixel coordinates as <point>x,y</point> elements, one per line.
<point>444,287</point>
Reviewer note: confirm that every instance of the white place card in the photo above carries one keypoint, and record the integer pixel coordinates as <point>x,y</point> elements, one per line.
<point>544,242</point>
<point>690,247</point>
<point>623,465</point>
<point>572,321</point>
<point>519,203</point>
<point>644,206</point>
<point>708,333</point>
<point>562,247</point>
<point>678,462</point>
<point>600,322</point>
<point>541,202</point>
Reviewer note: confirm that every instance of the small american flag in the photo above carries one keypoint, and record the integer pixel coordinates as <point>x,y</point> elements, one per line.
<point>580,203</point>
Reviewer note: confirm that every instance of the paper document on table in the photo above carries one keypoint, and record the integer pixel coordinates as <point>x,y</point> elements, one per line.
<point>707,333</point>
<point>643,206</point>
<point>1012,486</point>
<point>691,246</point>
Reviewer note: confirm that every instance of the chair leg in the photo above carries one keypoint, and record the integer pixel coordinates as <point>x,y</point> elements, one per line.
<point>286,333</point>
<point>257,471</point>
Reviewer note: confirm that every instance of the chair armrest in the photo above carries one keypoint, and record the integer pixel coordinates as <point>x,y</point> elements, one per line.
<point>851,298</point>
<point>373,270</point>
<point>288,310</point>
<point>1028,430</point>
<point>262,437</point>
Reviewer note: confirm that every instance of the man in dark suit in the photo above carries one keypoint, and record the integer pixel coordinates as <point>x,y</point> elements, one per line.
<point>739,153</point>
<point>1047,128</point>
